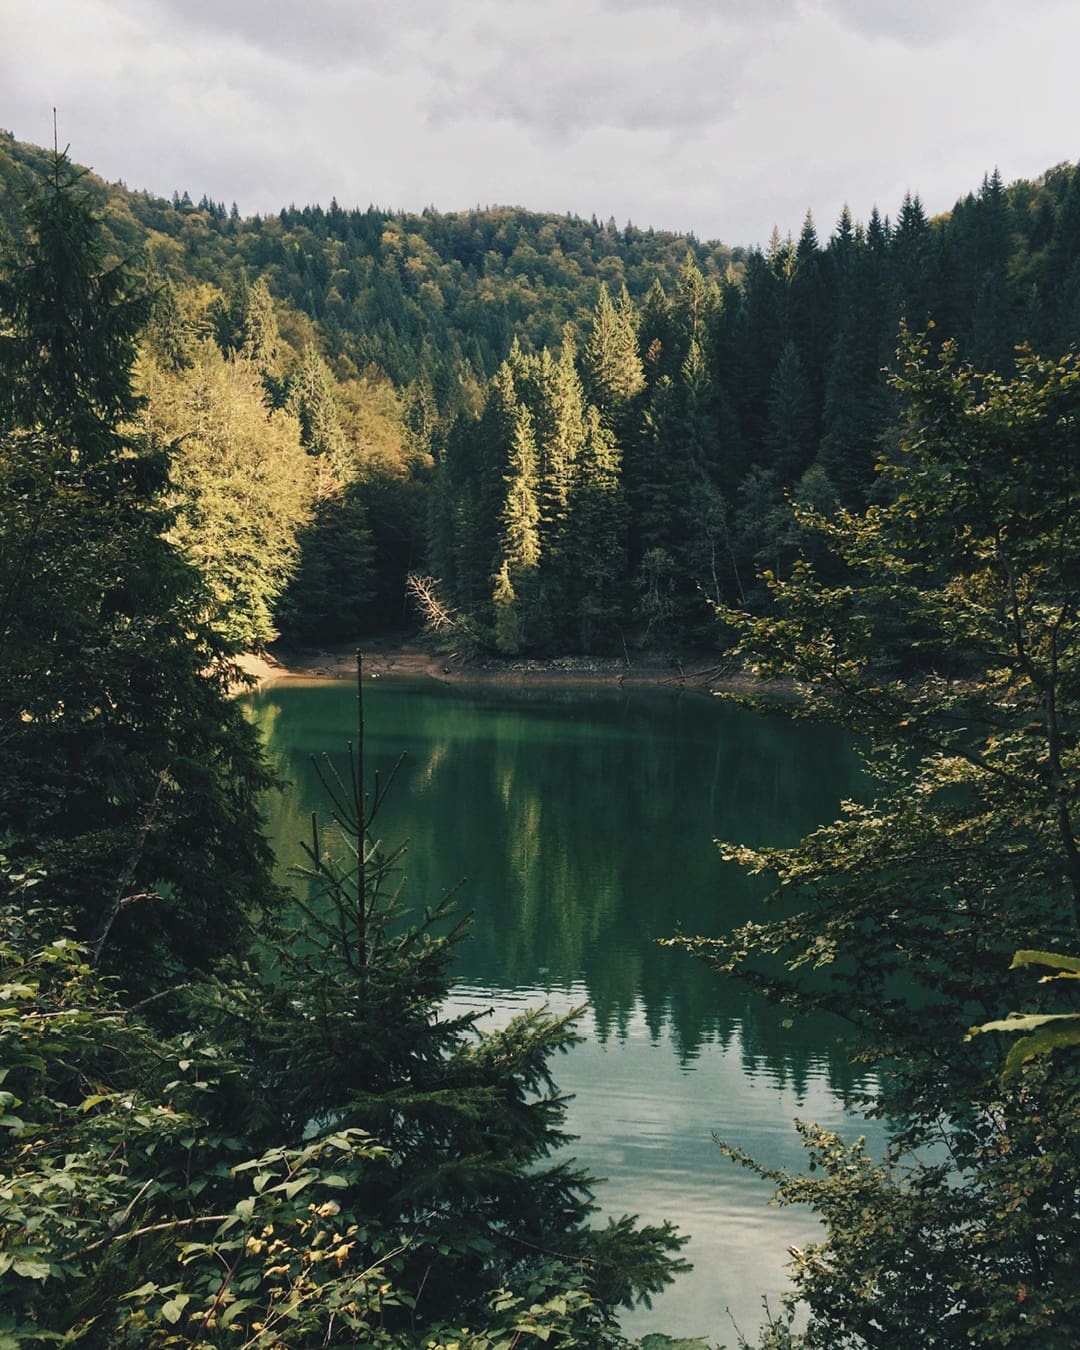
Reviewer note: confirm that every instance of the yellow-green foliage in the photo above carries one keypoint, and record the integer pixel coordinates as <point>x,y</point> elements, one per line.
<point>243,480</point>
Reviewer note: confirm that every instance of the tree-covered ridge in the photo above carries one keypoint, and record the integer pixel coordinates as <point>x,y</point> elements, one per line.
<point>440,356</point>
<point>723,401</point>
<point>435,295</point>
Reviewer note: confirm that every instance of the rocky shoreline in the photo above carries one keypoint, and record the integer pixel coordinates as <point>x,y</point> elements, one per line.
<point>412,659</point>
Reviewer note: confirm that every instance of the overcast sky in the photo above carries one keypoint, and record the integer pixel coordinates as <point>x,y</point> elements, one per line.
<point>723,117</point>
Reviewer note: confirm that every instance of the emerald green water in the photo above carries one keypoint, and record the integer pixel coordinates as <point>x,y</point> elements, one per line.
<point>582,821</point>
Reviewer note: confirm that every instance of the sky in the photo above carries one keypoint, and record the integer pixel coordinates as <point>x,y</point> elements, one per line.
<point>720,117</point>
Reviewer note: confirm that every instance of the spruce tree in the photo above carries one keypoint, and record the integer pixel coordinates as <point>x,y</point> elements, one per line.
<point>517,579</point>
<point>127,770</point>
<point>610,361</point>
<point>949,647</point>
<point>789,437</point>
<point>596,538</point>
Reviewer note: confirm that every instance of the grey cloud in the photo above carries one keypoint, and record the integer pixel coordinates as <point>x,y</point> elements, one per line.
<point>330,34</point>
<point>745,13</point>
<point>558,94</point>
<point>919,23</point>
<point>913,23</point>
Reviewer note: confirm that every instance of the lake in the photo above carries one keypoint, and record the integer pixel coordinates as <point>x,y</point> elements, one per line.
<point>582,821</point>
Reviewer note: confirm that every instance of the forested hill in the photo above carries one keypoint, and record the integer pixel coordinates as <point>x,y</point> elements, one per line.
<point>438,295</point>
<point>578,433</point>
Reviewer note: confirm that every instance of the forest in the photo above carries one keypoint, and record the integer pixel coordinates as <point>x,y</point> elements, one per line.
<point>576,436</point>
<point>853,466</point>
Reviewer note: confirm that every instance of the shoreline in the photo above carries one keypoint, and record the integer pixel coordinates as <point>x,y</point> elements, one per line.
<point>411,659</point>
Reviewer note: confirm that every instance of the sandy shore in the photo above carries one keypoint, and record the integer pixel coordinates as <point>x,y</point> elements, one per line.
<point>412,659</point>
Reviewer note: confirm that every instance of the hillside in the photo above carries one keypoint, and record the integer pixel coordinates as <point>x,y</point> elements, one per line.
<point>612,420</point>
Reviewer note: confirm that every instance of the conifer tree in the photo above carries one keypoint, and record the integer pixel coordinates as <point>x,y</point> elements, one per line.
<point>127,770</point>
<point>789,437</point>
<point>657,335</point>
<point>949,646</point>
<point>610,361</point>
<point>520,539</point>
<point>314,401</point>
<point>596,538</point>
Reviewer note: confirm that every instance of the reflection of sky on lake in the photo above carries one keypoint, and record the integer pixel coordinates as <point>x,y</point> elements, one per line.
<point>647,1122</point>
<point>583,823</point>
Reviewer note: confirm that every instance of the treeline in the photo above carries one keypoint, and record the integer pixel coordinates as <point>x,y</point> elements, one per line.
<point>571,435</point>
<point>619,489</point>
<point>436,297</point>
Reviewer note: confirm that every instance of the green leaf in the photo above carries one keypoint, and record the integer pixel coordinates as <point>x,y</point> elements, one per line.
<point>1043,1042</point>
<point>1024,1022</point>
<point>31,1267</point>
<point>1052,959</point>
<point>144,1290</point>
<point>173,1310</point>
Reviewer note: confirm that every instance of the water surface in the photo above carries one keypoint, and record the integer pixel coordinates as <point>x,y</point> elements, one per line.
<point>582,822</point>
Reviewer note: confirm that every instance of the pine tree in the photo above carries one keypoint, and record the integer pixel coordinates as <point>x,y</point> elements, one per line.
<point>950,649</point>
<point>329,596</point>
<point>596,538</point>
<point>913,264</point>
<point>127,771</point>
<point>789,437</point>
<point>520,541</point>
<point>313,398</point>
<point>610,362</point>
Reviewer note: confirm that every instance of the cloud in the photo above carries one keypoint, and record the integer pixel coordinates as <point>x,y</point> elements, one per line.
<point>718,117</point>
<point>558,98</point>
<point>564,70</point>
<point>912,23</point>
<point>920,23</point>
<point>328,35</point>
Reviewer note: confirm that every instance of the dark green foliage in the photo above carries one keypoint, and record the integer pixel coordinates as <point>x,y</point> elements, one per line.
<point>314,1156</point>
<point>945,634</point>
<point>329,597</point>
<point>789,434</point>
<point>126,768</point>
<point>595,561</point>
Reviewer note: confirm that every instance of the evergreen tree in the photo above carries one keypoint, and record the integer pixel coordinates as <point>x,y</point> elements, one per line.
<point>949,647</point>
<point>667,476</point>
<point>913,264</point>
<point>596,538</point>
<point>518,576</point>
<point>789,437</point>
<point>329,596</point>
<point>657,335</point>
<point>813,315</point>
<point>127,771</point>
<point>169,333</point>
<point>321,1158</point>
<point>1059,292</point>
<point>313,398</point>
<point>610,361</point>
<point>260,341</point>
